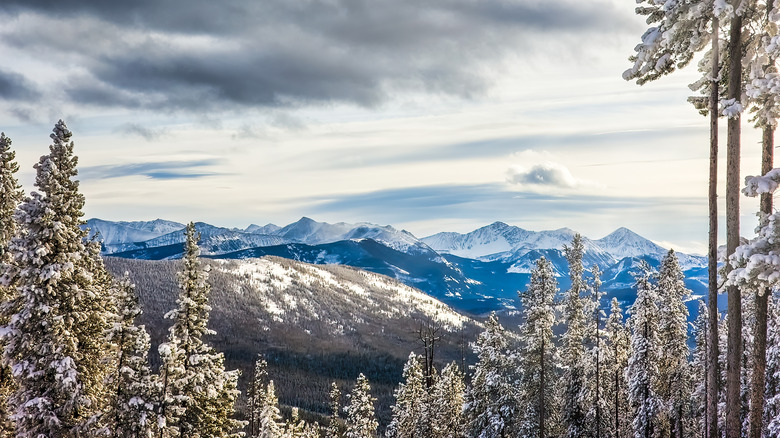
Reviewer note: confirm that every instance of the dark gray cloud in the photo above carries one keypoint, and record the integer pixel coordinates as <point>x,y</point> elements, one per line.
<point>199,55</point>
<point>159,170</point>
<point>14,86</point>
<point>148,134</point>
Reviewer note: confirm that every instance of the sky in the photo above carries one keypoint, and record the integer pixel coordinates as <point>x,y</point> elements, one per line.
<point>428,116</point>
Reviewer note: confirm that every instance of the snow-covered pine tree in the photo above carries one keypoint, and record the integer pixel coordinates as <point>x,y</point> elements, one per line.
<point>491,399</point>
<point>642,371</point>
<point>410,399</point>
<point>597,374</point>
<point>56,338</point>
<point>772,407</point>
<point>334,429</point>
<point>169,386</point>
<point>210,391</point>
<point>572,381</point>
<point>361,419</point>
<point>537,358</point>
<point>297,428</point>
<point>256,395</point>
<point>698,371</point>
<point>11,196</point>
<point>447,403</point>
<point>674,380</point>
<point>269,419</point>
<point>619,346</point>
<point>130,411</point>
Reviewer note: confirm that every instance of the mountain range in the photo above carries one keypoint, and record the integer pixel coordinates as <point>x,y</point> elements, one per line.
<point>474,272</point>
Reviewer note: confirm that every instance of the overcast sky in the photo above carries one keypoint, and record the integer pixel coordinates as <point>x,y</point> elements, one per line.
<point>431,116</point>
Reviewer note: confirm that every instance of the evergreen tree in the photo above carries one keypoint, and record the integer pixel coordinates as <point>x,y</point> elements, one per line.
<point>698,372</point>
<point>618,339</point>
<point>573,406</point>
<point>130,411</point>
<point>169,385</point>
<point>297,428</point>
<point>537,359</point>
<point>772,408</point>
<point>491,400</point>
<point>411,397</point>
<point>674,381</point>
<point>210,391</point>
<point>11,195</point>
<point>447,403</point>
<point>268,417</point>
<point>256,395</point>
<point>642,371</point>
<point>598,377</point>
<point>334,429</point>
<point>56,338</point>
<point>361,419</point>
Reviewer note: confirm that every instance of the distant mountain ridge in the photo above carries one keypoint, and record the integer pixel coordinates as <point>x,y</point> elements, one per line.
<point>474,272</point>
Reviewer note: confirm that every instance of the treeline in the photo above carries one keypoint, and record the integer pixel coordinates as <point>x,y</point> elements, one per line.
<point>75,364</point>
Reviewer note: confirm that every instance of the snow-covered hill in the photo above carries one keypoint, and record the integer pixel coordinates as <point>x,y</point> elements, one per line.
<point>313,324</point>
<point>125,232</point>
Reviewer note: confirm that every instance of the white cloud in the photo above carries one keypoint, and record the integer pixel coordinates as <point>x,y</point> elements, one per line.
<point>546,174</point>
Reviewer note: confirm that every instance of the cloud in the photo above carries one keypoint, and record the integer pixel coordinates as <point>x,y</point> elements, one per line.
<point>547,174</point>
<point>148,134</point>
<point>156,170</point>
<point>16,87</point>
<point>199,55</point>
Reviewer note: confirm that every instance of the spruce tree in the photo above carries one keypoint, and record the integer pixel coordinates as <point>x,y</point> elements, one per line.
<point>447,403</point>
<point>674,380</point>
<point>772,408</point>
<point>597,373</point>
<point>169,386</point>
<point>491,399</point>
<point>573,406</point>
<point>361,419</point>
<point>11,195</point>
<point>642,371</point>
<point>698,372</point>
<point>334,429</point>
<point>256,394</point>
<point>411,398</point>
<point>130,411</point>
<point>619,347</point>
<point>209,391</point>
<point>537,358</point>
<point>269,420</point>
<point>56,338</point>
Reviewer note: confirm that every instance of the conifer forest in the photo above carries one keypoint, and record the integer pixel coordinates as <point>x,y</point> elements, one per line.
<point>568,361</point>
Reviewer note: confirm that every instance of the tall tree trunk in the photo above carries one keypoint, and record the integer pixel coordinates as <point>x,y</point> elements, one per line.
<point>713,373</point>
<point>762,307</point>
<point>734,348</point>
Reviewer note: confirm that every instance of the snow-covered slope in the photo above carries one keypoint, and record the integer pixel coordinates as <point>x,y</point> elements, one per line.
<point>311,232</point>
<point>495,238</point>
<point>499,241</point>
<point>124,232</point>
<point>213,241</point>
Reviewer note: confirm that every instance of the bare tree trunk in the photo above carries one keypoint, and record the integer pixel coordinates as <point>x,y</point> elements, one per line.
<point>713,373</point>
<point>762,304</point>
<point>734,348</point>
